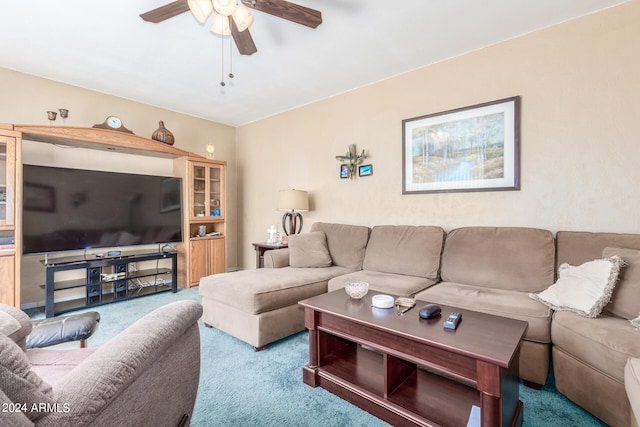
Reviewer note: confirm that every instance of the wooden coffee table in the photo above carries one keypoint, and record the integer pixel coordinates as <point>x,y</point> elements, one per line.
<point>411,371</point>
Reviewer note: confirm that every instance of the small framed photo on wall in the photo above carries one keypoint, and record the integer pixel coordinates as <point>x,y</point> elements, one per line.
<point>365,170</point>
<point>344,171</point>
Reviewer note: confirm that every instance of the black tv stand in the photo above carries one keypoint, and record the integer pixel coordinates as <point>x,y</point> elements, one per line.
<point>79,282</point>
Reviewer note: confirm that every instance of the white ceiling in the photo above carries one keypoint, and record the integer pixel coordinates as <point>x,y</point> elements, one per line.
<point>105,46</point>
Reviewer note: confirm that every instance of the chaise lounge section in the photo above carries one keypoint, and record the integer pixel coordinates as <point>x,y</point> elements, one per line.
<point>261,306</point>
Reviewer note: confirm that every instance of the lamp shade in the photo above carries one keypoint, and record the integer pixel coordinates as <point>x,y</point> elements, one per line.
<point>201,9</point>
<point>293,200</point>
<point>224,7</point>
<point>242,17</point>
<point>220,25</point>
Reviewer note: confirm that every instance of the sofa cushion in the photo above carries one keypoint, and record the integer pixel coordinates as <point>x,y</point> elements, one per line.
<point>583,289</point>
<point>265,289</point>
<point>577,247</point>
<point>346,243</point>
<point>19,382</point>
<point>511,258</point>
<point>499,302</point>
<point>309,250</point>
<point>625,301</point>
<point>405,249</point>
<point>394,284</point>
<point>604,343</point>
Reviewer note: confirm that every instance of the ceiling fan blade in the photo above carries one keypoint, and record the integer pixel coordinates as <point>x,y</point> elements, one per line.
<point>243,39</point>
<point>286,10</point>
<point>165,12</point>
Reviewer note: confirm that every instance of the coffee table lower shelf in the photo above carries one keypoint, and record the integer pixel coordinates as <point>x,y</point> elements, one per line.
<point>356,374</point>
<point>407,371</point>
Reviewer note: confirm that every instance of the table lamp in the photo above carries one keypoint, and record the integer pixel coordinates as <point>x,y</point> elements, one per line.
<point>292,202</point>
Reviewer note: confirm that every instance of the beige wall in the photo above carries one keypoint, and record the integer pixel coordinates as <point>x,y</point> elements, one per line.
<point>580,86</point>
<point>25,99</point>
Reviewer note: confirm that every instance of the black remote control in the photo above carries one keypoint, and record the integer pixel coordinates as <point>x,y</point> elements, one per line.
<point>453,320</point>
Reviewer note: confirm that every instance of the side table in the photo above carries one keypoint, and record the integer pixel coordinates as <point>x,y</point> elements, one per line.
<point>262,247</point>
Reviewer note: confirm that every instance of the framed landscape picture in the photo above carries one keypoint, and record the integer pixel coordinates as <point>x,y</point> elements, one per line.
<point>474,148</point>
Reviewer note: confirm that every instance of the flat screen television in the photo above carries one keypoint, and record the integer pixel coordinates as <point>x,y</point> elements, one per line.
<point>72,209</point>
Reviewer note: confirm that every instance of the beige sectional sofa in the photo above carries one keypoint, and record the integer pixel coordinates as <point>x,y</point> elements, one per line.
<point>486,269</point>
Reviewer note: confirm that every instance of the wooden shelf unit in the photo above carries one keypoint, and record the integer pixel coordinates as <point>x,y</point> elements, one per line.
<point>204,186</point>
<point>10,177</point>
<point>192,252</point>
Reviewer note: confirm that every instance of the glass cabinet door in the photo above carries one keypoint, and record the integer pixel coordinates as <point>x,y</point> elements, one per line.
<point>215,193</point>
<point>199,196</point>
<point>207,196</point>
<point>7,178</point>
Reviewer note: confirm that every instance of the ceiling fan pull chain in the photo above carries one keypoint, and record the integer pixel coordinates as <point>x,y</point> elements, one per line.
<point>222,83</point>
<point>230,58</point>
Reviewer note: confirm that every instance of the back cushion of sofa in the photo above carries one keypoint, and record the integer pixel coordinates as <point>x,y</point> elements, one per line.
<point>346,243</point>
<point>512,258</point>
<point>405,249</point>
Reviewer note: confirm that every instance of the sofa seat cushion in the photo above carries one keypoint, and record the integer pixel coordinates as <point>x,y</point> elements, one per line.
<point>604,343</point>
<point>265,289</point>
<point>499,302</point>
<point>394,284</point>
<point>405,249</point>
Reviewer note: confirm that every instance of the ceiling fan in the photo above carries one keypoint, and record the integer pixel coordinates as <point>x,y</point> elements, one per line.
<point>225,22</point>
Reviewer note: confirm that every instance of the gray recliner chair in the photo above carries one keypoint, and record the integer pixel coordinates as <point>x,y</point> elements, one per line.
<point>105,386</point>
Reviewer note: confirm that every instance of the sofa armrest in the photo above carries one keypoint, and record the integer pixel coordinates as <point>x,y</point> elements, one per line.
<point>160,352</point>
<point>276,258</point>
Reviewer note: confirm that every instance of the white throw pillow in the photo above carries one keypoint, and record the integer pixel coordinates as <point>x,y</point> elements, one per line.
<point>585,289</point>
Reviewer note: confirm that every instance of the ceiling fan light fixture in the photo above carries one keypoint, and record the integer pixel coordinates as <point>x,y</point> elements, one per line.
<point>224,7</point>
<point>242,17</point>
<point>220,25</point>
<point>201,9</point>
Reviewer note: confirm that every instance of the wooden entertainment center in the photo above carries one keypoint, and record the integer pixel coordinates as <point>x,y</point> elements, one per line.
<point>203,201</point>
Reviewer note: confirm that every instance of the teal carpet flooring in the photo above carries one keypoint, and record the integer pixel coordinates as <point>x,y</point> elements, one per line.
<point>241,387</point>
